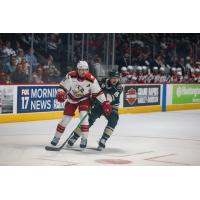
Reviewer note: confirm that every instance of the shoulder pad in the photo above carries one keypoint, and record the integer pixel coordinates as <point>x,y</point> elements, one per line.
<point>89,77</point>
<point>73,74</point>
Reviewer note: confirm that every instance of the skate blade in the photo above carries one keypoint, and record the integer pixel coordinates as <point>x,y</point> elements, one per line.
<point>82,149</point>
<point>99,148</point>
<point>68,146</point>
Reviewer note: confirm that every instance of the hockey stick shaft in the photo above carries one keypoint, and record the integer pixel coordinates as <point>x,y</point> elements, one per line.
<point>50,148</point>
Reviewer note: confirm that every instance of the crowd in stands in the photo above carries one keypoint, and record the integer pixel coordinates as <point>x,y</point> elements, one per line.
<point>140,58</point>
<point>16,66</point>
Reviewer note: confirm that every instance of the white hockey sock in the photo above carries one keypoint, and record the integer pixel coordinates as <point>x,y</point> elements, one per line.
<point>84,134</point>
<point>84,127</point>
<point>61,126</point>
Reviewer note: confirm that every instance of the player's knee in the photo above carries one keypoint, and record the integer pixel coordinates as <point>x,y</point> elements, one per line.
<point>65,120</point>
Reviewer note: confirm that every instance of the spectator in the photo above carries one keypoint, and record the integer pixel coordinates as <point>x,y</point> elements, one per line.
<point>20,55</point>
<point>11,66</point>
<point>25,66</point>
<point>38,75</point>
<point>31,59</point>
<point>17,46</point>
<point>181,64</point>
<point>188,64</point>
<point>19,75</point>
<point>7,50</point>
<point>52,43</point>
<point>1,47</point>
<point>51,73</point>
<point>123,61</point>
<point>4,78</point>
<point>98,69</point>
<point>157,62</point>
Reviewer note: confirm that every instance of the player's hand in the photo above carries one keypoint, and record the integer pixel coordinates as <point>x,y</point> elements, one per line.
<point>107,108</point>
<point>60,96</point>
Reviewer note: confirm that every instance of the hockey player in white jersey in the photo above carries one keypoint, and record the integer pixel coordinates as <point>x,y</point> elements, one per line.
<point>77,88</point>
<point>173,78</point>
<point>124,75</point>
<point>130,69</point>
<point>139,74</point>
<point>179,77</point>
<point>155,76</point>
<point>163,77</point>
<point>145,73</point>
<point>197,75</point>
<point>131,75</point>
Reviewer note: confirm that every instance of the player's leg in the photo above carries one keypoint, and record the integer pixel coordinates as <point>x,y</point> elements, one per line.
<point>112,122</point>
<point>84,107</point>
<point>84,128</point>
<point>68,114</point>
<point>95,113</point>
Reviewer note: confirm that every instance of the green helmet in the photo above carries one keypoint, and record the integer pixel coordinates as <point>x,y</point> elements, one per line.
<point>114,74</point>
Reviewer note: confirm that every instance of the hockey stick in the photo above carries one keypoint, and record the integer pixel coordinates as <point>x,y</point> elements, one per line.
<point>51,148</point>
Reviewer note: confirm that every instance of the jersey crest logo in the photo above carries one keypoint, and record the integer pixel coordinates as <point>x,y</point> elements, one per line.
<point>78,91</point>
<point>131,96</point>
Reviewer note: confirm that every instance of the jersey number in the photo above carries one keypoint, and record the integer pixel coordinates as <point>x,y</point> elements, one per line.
<point>116,94</point>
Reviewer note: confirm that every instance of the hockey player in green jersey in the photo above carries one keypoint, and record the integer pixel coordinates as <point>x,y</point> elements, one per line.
<point>112,90</point>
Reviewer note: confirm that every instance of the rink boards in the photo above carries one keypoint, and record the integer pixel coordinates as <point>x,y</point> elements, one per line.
<point>38,102</point>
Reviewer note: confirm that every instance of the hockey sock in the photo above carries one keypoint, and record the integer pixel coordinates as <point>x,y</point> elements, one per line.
<point>61,126</point>
<point>105,136</point>
<point>84,131</point>
<point>59,131</point>
<point>108,131</point>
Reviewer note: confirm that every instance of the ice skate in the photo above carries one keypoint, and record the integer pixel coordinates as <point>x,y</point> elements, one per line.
<point>83,143</point>
<point>101,144</point>
<point>72,140</point>
<point>55,141</point>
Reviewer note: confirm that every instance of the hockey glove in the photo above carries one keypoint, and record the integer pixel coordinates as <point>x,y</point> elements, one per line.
<point>61,97</point>
<point>107,108</point>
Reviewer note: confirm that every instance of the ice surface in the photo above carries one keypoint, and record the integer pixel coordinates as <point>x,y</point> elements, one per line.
<point>170,138</point>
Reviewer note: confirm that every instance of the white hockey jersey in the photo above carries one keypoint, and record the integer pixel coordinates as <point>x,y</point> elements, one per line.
<point>156,78</point>
<point>78,89</point>
<point>173,79</point>
<point>163,79</point>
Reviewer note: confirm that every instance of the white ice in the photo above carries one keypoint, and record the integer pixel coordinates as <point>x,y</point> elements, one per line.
<point>170,138</point>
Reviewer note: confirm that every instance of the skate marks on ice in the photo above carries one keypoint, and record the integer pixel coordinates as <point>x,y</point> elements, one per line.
<point>93,150</point>
<point>51,161</point>
<point>157,159</point>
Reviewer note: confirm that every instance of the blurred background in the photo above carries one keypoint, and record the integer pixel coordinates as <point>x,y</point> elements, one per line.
<point>140,58</point>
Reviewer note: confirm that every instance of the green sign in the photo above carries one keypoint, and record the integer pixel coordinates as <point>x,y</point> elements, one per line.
<point>189,93</point>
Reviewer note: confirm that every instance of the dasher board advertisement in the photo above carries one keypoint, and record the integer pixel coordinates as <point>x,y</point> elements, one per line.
<point>37,99</point>
<point>141,95</point>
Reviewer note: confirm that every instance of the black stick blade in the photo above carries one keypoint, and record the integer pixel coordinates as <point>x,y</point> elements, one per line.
<point>49,148</point>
